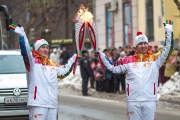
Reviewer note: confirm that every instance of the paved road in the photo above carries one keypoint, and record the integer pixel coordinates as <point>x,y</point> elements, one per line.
<point>89,108</point>
<point>15,118</point>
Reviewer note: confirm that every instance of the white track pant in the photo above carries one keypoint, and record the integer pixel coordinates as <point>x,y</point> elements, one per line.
<point>42,113</point>
<point>141,110</point>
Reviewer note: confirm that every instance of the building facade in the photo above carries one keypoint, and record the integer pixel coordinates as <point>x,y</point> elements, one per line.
<point>119,20</point>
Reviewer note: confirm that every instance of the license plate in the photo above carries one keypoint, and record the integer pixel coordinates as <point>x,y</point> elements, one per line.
<point>15,100</point>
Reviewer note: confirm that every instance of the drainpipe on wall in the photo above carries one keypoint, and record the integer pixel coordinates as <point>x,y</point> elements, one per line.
<point>94,13</point>
<point>94,9</point>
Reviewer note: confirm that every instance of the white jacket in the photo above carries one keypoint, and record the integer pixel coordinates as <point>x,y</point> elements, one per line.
<point>142,76</point>
<point>42,79</point>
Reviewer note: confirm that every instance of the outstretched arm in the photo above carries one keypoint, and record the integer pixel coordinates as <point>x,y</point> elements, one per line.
<point>168,44</point>
<point>24,44</point>
<point>114,69</point>
<point>65,70</point>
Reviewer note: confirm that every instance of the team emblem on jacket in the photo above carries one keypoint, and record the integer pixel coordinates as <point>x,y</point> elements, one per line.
<point>135,65</point>
<point>38,115</point>
<point>52,69</point>
<point>148,64</point>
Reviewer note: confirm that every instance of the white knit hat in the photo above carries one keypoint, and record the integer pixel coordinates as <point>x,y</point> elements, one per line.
<point>40,42</point>
<point>122,53</point>
<point>54,50</point>
<point>140,38</point>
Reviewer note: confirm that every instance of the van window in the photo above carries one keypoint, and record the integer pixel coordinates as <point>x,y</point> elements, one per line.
<point>11,64</point>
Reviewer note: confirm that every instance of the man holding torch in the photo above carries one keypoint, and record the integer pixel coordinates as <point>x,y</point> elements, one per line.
<point>42,75</point>
<point>142,75</point>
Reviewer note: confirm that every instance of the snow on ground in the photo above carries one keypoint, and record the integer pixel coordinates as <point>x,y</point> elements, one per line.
<point>72,84</point>
<point>72,80</point>
<point>169,92</point>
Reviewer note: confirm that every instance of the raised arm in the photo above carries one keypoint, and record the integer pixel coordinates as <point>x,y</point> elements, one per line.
<point>168,44</point>
<point>65,70</point>
<point>114,69</point>
<point>24,45</point>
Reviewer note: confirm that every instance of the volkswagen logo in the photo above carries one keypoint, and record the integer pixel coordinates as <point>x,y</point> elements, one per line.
<point>16,91</point>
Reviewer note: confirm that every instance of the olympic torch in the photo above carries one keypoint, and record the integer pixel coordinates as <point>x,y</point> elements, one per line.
<point>83,21</point>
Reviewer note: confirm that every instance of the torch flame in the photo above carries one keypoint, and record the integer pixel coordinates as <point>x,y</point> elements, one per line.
<point>85,15</point>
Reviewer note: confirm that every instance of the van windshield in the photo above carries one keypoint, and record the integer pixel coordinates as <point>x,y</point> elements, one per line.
<point>11,64</point>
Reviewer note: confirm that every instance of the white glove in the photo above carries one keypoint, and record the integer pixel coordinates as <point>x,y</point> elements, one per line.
<point>168,25</point>
<point>17,29</point>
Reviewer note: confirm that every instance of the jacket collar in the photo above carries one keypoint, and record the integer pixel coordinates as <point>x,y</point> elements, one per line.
<point>143,57</point>
<point>44,61</point>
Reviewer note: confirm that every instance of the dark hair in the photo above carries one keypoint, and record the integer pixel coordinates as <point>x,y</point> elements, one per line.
<point>155,46</point>
<point>113,49</point>
<point>84,51</point>
<point>106,50</point>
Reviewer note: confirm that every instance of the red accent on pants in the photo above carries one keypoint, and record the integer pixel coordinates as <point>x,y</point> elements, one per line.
<point>154,88</point>
<point>35,92</point>
<point>128,89</point>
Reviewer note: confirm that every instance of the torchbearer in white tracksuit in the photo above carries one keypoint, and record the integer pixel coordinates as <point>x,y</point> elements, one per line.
<point>42,75</point>
<point>142,75</point>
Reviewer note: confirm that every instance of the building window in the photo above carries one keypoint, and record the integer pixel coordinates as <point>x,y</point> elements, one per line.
<point>127,23</point>
<point>109,27</point>
<point>149,20</point>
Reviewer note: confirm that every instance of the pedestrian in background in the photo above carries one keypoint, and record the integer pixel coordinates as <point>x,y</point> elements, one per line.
<point>64,56</point>
<point>93,65</point>
<point>58,56</point>
<point>99,77</point>
<point>108,75</point>
<point>86,71</point>
<point>170,67</point>
<point>122,76</point>
<point>53,55</point>
<point>156,49</point>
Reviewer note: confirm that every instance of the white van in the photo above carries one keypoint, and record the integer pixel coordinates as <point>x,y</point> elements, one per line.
<point>13,84</point>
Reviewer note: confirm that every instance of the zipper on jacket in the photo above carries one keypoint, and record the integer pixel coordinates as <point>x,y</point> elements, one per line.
<point>35,92</point>
<point>140,77</point>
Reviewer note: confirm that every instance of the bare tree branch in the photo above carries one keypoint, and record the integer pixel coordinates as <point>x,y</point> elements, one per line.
<point>178,4</point>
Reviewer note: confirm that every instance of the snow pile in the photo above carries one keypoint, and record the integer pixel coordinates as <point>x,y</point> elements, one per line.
<point>170,91</point>
<point>72,81</point>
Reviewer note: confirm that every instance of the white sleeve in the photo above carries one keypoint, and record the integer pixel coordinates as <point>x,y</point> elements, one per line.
<point>114,69</point>
<point>65,70</point>
<point>25,51</point>
<point>24,40</point>
<point>166,50</point>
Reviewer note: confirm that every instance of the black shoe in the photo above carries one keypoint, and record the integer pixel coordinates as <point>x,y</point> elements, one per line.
<point>86,94</point>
